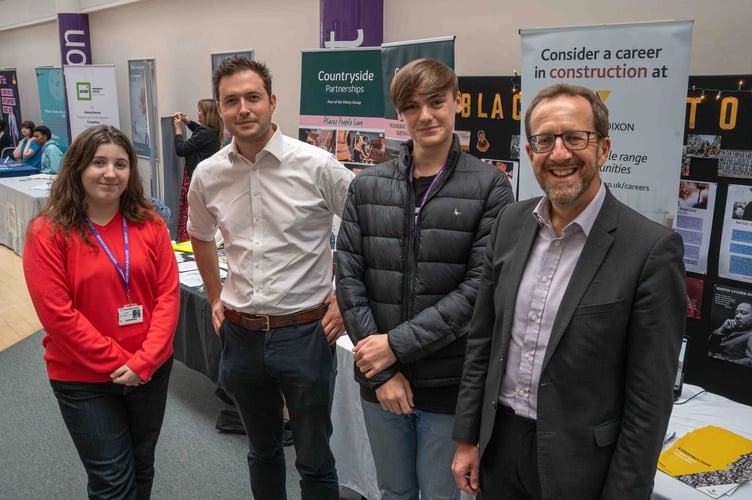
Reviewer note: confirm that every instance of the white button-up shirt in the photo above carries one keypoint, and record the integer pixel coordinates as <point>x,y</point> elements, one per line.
<point>275,215</point>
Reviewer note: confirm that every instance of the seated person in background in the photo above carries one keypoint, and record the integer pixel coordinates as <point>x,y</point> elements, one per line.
<point>51,154</point>
<point>23,149</point>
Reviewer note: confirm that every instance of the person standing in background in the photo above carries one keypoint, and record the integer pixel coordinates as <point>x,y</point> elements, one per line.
<point>205,140</point>
<point>409,255</point>
<point>573,348</point>
<point>103,279</point>
<point>273,198</point>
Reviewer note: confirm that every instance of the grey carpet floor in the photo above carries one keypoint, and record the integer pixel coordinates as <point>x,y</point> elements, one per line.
<point>194,461</point>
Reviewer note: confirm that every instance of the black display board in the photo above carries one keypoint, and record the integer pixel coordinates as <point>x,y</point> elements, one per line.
<point>719,108</point>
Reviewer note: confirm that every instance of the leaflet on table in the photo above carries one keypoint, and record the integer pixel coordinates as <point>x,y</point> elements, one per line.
<point>188,269</point>
<point>182,257</point>
<point>713,460</point>
<point>193,278</point>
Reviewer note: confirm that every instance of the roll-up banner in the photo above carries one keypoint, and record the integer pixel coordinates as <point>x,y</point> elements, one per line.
<point>75,47</point>
<point>92,96</point>
<point>640,71</point>
<point>341,105</point>
<point>52,103</point>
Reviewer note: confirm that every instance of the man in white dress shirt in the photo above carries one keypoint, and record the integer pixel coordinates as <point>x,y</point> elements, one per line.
<point>273,198</point>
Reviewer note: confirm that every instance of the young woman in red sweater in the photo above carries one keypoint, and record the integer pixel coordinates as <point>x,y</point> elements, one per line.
<point>104,282</point>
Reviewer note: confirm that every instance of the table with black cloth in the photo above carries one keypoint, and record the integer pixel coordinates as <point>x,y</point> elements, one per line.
<point>21,199</point>
<point>196,345</point>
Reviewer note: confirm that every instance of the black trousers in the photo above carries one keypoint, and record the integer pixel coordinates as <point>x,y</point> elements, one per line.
<point>509,467</point>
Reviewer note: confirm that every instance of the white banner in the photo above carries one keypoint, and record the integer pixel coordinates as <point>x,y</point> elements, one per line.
<point>641,72</point>
<point>92,97</point>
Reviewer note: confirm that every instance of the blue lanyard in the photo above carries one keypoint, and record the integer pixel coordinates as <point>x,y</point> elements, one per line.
<point>425,196</point>
<point>123,274</point>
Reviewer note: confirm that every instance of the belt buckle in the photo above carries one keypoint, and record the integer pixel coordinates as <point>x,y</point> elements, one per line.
<point>268,324</point>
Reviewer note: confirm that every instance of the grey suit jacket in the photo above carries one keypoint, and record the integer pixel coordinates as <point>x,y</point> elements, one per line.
<point>605,392</point>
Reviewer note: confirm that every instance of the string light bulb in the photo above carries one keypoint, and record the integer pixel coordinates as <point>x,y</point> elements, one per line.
<point>718,96</point>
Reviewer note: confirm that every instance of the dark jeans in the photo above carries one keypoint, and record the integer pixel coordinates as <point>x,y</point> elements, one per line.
<point>115,429</point>
<point>258,369</point>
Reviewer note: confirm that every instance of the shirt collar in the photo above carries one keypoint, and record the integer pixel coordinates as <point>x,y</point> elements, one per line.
<point>584,220</point>
<point>274,146</point>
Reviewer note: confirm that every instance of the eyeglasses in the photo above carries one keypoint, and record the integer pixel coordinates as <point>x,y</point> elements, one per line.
<point>573,140</point>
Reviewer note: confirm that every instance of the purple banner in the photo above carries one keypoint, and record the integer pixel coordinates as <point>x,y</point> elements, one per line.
<point>75,40</point>
<point>351,23</point>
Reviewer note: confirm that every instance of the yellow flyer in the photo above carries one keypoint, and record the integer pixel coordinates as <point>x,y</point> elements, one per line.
<point>710,459</point>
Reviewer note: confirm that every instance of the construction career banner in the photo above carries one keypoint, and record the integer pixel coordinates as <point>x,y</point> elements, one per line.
<point>640,71</point>
<point>341,105</point>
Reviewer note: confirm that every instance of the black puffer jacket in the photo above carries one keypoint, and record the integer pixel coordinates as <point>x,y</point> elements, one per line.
<point>419,286</point>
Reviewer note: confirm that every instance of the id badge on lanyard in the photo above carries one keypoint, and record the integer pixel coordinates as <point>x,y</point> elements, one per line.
<point>130,313</point>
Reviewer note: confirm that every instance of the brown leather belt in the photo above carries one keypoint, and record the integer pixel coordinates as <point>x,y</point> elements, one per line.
<point>264,323</point>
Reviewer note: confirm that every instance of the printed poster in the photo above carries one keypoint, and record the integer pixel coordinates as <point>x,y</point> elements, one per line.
<point>640,71</point>
<point>694,222</point>
<point>735,256</point>
<point>10,104</point>
<point>730,338</point>
<point>694,297</point>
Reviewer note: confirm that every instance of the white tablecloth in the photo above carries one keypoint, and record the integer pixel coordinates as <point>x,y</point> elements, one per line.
<point>352,451</point>
<point>21,199</point>
<point>357,471</point>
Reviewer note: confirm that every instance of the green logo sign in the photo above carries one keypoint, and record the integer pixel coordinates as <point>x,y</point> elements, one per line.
<point>83,91</point>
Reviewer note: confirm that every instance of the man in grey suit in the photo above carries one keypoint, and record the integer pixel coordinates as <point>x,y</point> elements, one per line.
<point>573,347</point>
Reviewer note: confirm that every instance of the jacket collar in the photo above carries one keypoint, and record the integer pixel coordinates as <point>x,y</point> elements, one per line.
<point>406,155</point>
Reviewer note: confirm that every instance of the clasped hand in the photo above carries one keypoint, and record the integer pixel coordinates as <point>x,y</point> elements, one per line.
<point>373,354</point>
<point>126,376</point>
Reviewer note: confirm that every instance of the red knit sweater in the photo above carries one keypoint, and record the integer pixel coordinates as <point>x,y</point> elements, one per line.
<point>77,291</point>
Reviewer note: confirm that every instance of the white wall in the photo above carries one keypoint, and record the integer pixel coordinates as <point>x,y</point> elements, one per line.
<point>181,34</point>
